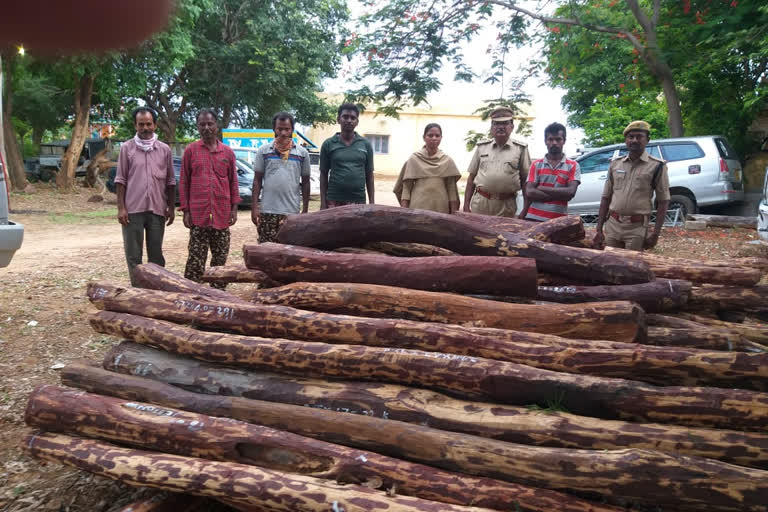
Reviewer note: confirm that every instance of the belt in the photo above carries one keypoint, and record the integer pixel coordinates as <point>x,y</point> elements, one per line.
<point>632,219</point>
<point>506,195</point>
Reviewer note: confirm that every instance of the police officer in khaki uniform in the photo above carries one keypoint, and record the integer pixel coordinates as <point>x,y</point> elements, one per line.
<point>627,199</point>
<point>498,170</point>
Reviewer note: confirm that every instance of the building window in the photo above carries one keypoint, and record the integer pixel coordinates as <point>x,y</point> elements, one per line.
<point>380,143</point>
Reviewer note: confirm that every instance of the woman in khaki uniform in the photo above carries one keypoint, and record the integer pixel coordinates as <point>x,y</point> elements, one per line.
<point>428,179</point>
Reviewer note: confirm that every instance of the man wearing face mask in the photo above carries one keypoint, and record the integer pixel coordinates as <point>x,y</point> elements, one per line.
<point>281,178</point>
<point>627,199</point>
<point>146,189</point>
<point>498,170</point>
<point>552,180</point>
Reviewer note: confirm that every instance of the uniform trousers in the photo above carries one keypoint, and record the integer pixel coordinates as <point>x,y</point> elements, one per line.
<point>626,235</point>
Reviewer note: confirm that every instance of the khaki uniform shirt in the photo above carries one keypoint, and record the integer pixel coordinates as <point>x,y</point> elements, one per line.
<point>500,170</point>
<point>629,184</point>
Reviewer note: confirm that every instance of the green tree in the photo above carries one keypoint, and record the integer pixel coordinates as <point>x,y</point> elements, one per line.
<point>606,119</point>
<point>15,163</point>
<point>40,101</point>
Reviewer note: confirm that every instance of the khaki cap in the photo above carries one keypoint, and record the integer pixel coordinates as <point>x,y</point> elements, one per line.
<point>637,125</point>
<point>502,114</point>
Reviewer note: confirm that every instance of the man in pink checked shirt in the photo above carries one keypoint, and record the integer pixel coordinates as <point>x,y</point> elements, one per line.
<point>209,195</point>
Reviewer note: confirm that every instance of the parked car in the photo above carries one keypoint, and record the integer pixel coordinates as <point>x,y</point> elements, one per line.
<point>762,210</point>
<point>244,180</point>
<point>702,171</point>
<point>48,163</point>
<point>11,233</point>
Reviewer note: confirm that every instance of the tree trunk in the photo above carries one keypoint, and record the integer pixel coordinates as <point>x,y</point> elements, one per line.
<point>616,321</point>
<point>65,178</point>
<point>146,426</point>
<point>503,422</point>
<point>373,223</point>
<point>464,274</point>
<point>656,296</point>
<point>236,483</point>
<point>465,376</point>
<point>154,277</point>
<point>624,360</point>
<point>237,274</point>
<point>694,270</point>
<point>753,332</point>
<point>408,249</point>
<point>728,297</point>
<point>562,230</point>
<point>16,172</point>
<point>701,338</point>
<point>653,477</point>
<point>672,98</point>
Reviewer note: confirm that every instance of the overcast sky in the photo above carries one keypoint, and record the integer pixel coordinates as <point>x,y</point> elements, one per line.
<point>546,105</point>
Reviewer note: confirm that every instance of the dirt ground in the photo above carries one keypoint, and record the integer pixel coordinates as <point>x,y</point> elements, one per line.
<point>43,321</point>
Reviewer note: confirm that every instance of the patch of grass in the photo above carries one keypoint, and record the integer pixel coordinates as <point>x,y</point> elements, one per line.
<point>94,217</point>
<point>554,404</point>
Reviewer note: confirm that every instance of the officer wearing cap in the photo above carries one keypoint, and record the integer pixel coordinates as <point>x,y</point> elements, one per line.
<point>498,169</point>
<point>627,199</point>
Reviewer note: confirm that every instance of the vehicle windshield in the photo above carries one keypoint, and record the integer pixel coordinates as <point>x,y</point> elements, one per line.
<point>652,150</point>
<point>243,164</point>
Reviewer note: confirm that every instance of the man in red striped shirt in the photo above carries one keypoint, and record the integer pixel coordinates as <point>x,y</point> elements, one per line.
<point>209,195</point>
<point>552,180</point>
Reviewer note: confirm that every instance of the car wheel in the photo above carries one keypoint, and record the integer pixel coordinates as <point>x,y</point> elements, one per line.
<point>684,203</point>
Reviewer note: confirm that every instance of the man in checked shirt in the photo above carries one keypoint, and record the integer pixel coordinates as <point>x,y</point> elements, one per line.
<point>209,196</point>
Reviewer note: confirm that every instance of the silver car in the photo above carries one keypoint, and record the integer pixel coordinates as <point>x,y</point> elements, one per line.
<point>762,210</point>
<point>702,171</point>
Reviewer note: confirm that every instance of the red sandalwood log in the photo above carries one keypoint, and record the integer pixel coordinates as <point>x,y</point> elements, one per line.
<point>375,223</point>
<point>155,277</point>
<point>656,296</point>
<point>237,274</point>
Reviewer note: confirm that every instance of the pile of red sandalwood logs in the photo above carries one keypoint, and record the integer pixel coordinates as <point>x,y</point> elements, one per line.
<point>376,378</point>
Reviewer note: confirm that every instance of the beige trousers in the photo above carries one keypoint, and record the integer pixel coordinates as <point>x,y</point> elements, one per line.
<point>625,235</point>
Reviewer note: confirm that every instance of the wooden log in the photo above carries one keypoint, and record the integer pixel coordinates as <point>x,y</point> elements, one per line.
<point>408,249</point>
<point>753,332</point>
<point>725,221</point>
<point>660,366</point>
<point>236,483</point>
<point>502,422</point>
<point>701,338</point>
<point>464,376</point>
<point>355,250</point>
<point>237,274</point>
<point>728,297</point>
<point>490,274</point>
<point>617,320</point>
<point>154,277</point>
<point>562,230</point>
<point>168,503</point>
<point>642,475</point>
<point>656,296</point>
<point>374,223</point>
<point>696,271</point>
<point>170,430</point>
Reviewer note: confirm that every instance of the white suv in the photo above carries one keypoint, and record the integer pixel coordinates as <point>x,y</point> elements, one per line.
<point>702,171</point>
<point>11,234</point>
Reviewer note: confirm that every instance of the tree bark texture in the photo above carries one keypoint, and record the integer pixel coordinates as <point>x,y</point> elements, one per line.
<point>696,271</point>
<point>158,428</point>
<point>753,332</point>
<point>154,277</point>
<point>488,274</point>
<point>656,296</point>
<point>15,164</point>
<point>236,274</point>
<point>231,482</point>
<point>725,221</point>
<point>617,320</point>
<point>408,249</point>
<point>645,475</point>
<point>728,297</point>
<point>168,503</point>
<point>656,365</point>
<point>374,223</point>
<point>65,178</point>
<point>562,230</point>
<point>389,401</point>
<point>464,376</point>
<point>701,338</point>
<point>733,335</point>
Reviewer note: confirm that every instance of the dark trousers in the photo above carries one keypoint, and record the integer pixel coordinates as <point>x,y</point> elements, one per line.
<point>269,224</point>
<point>200,240</point>
<point>133,239</point>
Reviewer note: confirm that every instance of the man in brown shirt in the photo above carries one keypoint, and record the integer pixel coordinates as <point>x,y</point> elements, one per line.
<point>498,170</point>
<point>627,199</point>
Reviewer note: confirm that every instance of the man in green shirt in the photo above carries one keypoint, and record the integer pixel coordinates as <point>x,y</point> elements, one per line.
<point>346,163</point>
